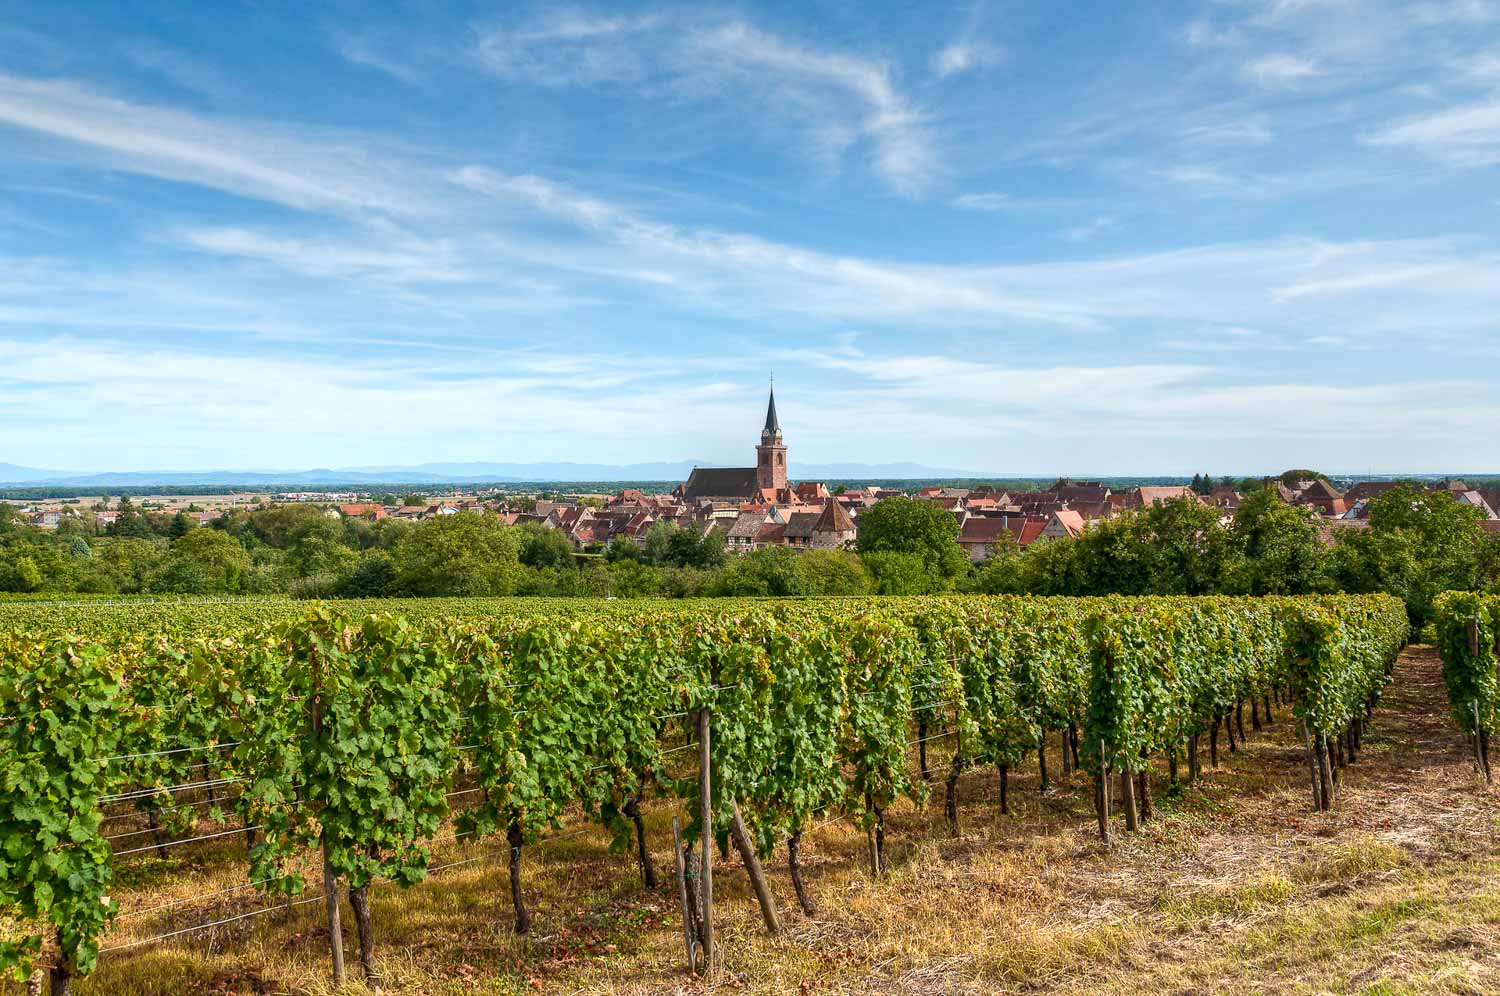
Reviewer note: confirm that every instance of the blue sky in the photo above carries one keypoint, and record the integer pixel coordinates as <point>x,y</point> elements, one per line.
<point>1024,238</point>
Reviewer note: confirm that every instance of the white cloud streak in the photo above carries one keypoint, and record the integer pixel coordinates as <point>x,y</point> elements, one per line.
<point>837,98</point>
<point>308,171</point>
<point>962,56</point>
<point>1467,135</point>
<point>1281,71</point>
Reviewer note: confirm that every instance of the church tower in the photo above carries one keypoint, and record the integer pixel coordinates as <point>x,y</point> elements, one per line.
<point>770,464</point>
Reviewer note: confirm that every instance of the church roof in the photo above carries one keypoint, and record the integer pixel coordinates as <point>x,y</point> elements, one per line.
<point>773,426</point>
<point>722,482</point>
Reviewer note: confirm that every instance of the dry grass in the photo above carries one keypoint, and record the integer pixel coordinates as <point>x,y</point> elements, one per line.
<point>1235,887</point>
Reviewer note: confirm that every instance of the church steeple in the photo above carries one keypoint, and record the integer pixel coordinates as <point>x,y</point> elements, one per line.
<point>773,427</point>
<point>770,455</point>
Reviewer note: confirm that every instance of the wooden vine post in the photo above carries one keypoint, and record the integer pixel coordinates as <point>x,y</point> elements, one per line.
<point>1481,737</point>
<point>330,880</point>
<point>1127,798</point>
<point>1325,770</point>
<point>1312,764</point>
<point>746,847</point>
<point>706,852</point>
<point>1101,800</point>
<point>686,897</point>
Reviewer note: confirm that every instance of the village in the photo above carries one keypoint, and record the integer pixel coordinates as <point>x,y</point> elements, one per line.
<point>757,507</point>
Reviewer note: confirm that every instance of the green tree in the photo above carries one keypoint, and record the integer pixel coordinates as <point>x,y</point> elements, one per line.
<point>20,574</point>
<point>769,571</point>
<point>898,573</point>
<point>832,572</point>
<point>543,546</point>
<point>128,564</point>
<point>1003,573</point>
<point>1419,544</point>
<point>1275,549</point>
<point>462,554</point>
<point>922,529</point>
<point>204,561</point>
<point>280,525</point>
<point>632,579</point>
<point>658,541</point>
<point>372,577</point>
<point>130,521</point>
<point>623,548</point>
<point>1183,546</point>
<point>318,547</point>
<point>1110,558</point>
<point>669,545</point>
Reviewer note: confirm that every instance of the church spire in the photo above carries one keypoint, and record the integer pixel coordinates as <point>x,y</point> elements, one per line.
<point>773,427</point>
<point>770,455</point>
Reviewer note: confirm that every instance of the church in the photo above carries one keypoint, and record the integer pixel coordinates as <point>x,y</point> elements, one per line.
<point>766,481</point>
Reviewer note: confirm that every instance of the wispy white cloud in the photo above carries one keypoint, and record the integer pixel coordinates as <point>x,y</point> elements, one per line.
<point>1272,11</point>
<point>1465,12</point>
<point>1468,135</point>
<point>838,98</point>
<point>988,201</point>
<point>1090,229</point>
<point>962,56</point>
<point>1280,70</point>
<point>361,51</point>
<point>1205,34</point>
<point>1303,286</point>
<point>303,170</point>
<point>904,152</point>
<point>1252,130</point>
<point>568,47</point>
<point>181,69</point>
<point>395,257</point>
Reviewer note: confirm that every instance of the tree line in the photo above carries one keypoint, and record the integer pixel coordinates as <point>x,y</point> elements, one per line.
<point>1415,545</point>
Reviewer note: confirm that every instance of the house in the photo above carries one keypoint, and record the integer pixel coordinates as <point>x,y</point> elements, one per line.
<point>372,511</point>
<point>1320,495</point>
<point>835,529</point>
<point>798,531</point>
<point>812,492</point>
<point>1155,495</point>
<point>1475,499</point>
<point>1064,523</point>
<point>1226,498</point>
<point>980,536</point>
<point>1491,498</point>
<point>740,537</point>
<point>1071,492</point>
<point>770,534</point>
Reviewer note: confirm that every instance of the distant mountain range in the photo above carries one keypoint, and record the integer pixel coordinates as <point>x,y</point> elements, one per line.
<point>451,473</point>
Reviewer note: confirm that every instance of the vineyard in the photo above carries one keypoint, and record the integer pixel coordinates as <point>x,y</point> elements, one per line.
<point>1468,636</point>
<point>344,742</point>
